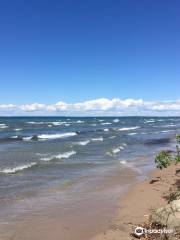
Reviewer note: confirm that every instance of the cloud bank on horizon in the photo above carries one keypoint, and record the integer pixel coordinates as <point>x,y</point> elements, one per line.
<point>97,107</point>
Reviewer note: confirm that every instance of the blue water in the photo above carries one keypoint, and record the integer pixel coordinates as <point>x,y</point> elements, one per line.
<point>38,152</point>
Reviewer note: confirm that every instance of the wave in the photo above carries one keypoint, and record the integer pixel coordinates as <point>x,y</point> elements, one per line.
<point>97,139</point>
<point>57,135</point>
<point>83,143</point>
<point>3,125</point>
<point>106,130</point>
<point>18,129</point>
<point>106,123</point>
<point>127,129</point>
<point>116,120</point>
<point>59,156</point>
<point>27,138</point>
<point>56,123</point>
<point>36,137</point>
<point>14,137</point>
<point>112,137</point>
<point>149,121</point>
<point>169,125</point>
<point>165,131</point>
<point>131,134</point>
<point>18,168</point>
<point>123,162</point>
<point>79,121</point>
<point>118,149</point>
<point>36,123</point>
<point>50,124</point>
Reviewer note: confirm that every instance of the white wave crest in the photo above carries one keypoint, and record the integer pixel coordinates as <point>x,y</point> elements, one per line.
<point>131,134</point>
<point>14,137</point>
<point>97,139</point>
<point>165,131</point>
<point>27,138</point>
<point>57,135</point>
<point>127,129</point>
<point>56,123</point>
<point>18,129</point>
<point>17,169</point>
<point>112,137</point>
<point>106,130</point>
<point>116,120</point>
<point>83,143</point>
<point>118,149</point>
<point>3,125</point>
<point>79,121</point>
<point>123,162</point>
<point>36,123</point>
<point>59,156</point>
<point>106,123</point>
<point>149,121</point>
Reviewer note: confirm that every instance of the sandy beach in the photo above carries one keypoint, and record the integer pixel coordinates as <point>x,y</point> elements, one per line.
<point>136,205</point>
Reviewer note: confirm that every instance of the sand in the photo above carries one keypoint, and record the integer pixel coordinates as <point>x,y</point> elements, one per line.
<point>137,204</point>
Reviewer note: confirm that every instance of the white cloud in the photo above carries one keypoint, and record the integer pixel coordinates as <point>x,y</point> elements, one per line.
<point>101,106</point>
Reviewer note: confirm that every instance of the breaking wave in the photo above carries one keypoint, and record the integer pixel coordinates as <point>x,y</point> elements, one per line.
<point>97,139</point>
<point>127,129</point>
<point>17,169</point>
<point>59,156</point>
<point>57,135</point>
<point>116,120</point>
<point>83,143</point>
<point>3,125</point>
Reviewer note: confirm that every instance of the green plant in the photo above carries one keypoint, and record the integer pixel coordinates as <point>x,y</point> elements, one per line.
<point>177,156</point>
<point>163,159</point>
<point>178,138</point>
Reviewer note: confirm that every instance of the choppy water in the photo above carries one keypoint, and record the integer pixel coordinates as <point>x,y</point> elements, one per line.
<point>39,152</point>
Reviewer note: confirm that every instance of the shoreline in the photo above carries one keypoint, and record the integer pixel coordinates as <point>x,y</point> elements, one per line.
<point>136,205</point>
<point>132,209</point>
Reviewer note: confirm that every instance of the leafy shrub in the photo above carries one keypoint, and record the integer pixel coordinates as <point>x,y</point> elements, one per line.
<point>177,156</point>
<point>163,159</point>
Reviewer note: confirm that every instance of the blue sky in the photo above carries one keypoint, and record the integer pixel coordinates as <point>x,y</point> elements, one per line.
<point>76,50</point>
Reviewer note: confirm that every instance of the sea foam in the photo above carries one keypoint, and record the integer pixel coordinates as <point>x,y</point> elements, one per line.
<point>97,139</point>
<point>116,120</point>
<point>59,156</point>
<point>3,125</point>
<point>83,143</point>
<point>118,149</point>
<point>106,123</point>
<point>18,168</point>
<point>128,128</point>
<point>57,135</point>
